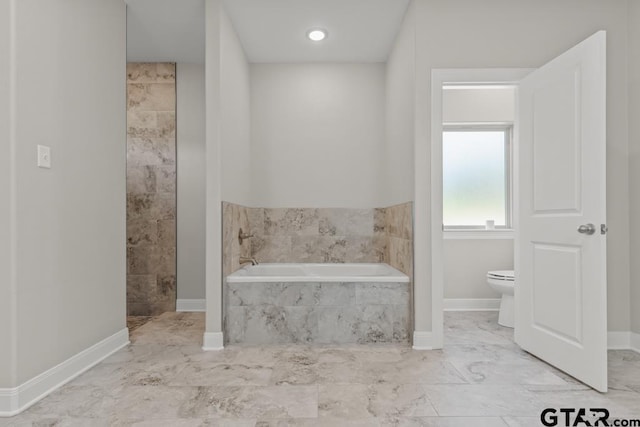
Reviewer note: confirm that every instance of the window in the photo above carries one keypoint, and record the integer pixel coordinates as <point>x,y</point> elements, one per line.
<point>476,176</point>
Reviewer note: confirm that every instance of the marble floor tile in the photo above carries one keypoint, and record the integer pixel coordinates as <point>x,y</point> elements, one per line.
<point>489,372</point>
<point>158,353</point>
<point>481,378</point>
<point>356,401</point>
<point>158,402</point>
<point>332,422</point>
<point>195,374</point>
<point>474,328</point>
<point>624,369</point>
<point>382,353</point>
<point>256,355</point>
<point>291,422</point>
<point>483,400</point>
<point>163,423</point>
<point>228,423</point>
<point>76,402</point>
<point>437,372</point>
<point>171,329</point>
<point>299,374</point>
<point>346,373</point>
<point>254,402</point>
<point>344,401</point>
<point>134,322</point>
<point>213,422</point>
<point>473,336</point>
<point>444,422</point>
<point>480,351</point>
<point>522,421</point>
<point>296,355</point>
<point>54,422</point>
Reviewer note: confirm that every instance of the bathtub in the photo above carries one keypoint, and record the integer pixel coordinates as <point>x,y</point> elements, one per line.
<point>317,304</point>
<point>354,273</point>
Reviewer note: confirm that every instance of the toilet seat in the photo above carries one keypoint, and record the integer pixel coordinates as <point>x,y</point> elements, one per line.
<point>506,275</point>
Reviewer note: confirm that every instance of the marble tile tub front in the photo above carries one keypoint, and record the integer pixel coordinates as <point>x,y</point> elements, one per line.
<point>318,313</point>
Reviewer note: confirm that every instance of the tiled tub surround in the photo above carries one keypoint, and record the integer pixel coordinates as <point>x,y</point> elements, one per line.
<point>399,237</point>
<point>151,188</point>
<point>234,218</point>
<point>319,235</point>
<point>326,235</point>
<point>317,303</point>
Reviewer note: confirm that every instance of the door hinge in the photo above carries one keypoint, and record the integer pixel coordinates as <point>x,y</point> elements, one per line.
<point>603,229</point>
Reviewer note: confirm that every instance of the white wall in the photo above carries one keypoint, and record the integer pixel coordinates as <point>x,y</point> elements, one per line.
<point>235,103</point>
<point>466,263</point>
<point>478,105</point>
<point>317,134</point>
<point>70,220</point>
<point>503,33</point>
<point>400,114</point>
<point>7,284</point>
<point>227,154</point>
<point>190,143</point>
<point>634,158</point>
<point>213,229</point>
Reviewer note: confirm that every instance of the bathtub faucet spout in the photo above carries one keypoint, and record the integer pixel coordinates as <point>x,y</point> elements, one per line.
<point>244,260</point>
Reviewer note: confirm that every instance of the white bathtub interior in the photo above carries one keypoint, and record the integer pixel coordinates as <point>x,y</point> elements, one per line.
<point>299,272</point>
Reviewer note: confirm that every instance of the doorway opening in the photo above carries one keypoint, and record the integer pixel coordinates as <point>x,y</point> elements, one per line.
<point>477,200</point>
<point>472,197</point>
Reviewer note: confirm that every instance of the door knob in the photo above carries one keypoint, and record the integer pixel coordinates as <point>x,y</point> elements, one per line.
<point>587,229</point>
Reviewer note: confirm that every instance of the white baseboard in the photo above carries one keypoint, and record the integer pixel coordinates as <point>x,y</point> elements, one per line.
<point>191,305</point>
<point>618,340</point>
<point>634,343</point>
<point>213,341</point>
<point>17,399</point>
<point>476,304</point>
<point>623,341</point>
<point>422,340</point>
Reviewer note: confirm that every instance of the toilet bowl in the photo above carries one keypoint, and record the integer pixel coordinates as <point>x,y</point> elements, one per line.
<point>503,282</point>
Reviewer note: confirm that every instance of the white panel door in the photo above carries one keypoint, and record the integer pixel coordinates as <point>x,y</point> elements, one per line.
<point>561,282</point>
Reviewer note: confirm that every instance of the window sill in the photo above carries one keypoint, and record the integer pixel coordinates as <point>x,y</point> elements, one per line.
<point>500,234</point>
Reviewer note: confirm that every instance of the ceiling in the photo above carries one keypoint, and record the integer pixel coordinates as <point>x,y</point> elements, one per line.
<point>165,30</point>
<point>275,30</point>
<point>270,30</point>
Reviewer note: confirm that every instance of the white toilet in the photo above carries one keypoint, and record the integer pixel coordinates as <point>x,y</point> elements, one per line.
<point>503,282</point>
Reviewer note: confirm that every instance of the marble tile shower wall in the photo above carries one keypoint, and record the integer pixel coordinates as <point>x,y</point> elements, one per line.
<point>151,188</point>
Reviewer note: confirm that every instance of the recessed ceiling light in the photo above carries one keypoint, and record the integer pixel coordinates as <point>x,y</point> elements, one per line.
<point>317,34</point>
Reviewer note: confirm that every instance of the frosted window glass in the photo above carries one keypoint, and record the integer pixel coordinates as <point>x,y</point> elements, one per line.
<point>474,178</point>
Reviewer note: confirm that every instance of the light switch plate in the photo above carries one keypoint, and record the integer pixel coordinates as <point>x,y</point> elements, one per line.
<point>44,157</point>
